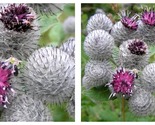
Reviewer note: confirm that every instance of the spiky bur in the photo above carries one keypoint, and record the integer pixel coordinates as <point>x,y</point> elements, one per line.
<point>133,53</point>
<point>47,9</point>
<point>122,83</point>
<point>146,26</point>
<point>26,109</point>
<point>125,29</point>
<point>69,25</point>
<point>148,77</point>
<point>8,69</point>
<point>97,73</point>
<point>99,22</point>
<point>142,103</point>
<point>71,106</point>
<point>18,31</point>
<point>98,45</point>
<point>69,46</point>
<point>50,75</point>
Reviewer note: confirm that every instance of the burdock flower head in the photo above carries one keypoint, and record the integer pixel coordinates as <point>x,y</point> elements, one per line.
<point>146,25</point>
<point>7,69</point>
<point>122,83</point>
<point>137,47</point>
<point>17,17</point>
<point>97,73</point>
<point>19,31</point>
<point>98,45</point>
<point>134,53</point>
<point>69,46</point>
<point>50,75</point>
<point>148,78</point>
<point>129,22</point>
<point>148,17</point>
<point>126,28</point>
<point>99,22</point>
<point>25,109</point>
<point>142,103</point>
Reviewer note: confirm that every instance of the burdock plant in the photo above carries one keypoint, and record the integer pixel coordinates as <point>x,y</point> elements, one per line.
<point>19,31</point>
<point>126,28</point>
<point>119,61</point>
<point>31,77</point>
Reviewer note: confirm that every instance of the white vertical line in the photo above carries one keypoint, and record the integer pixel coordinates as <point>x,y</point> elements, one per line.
<point>78,62</point>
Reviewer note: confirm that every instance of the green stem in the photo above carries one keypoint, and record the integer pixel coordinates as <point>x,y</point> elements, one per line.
<point>123,109</point>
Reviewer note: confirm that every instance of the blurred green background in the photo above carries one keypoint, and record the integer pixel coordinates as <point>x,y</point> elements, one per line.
<point>52,33</point>
<point>95,105</point>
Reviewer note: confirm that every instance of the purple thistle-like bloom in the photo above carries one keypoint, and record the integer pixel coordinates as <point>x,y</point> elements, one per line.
<point>130,23</point>
<point>137,47</point>
<point>6,71</point>
<point>122,82</point>
<point>17,17</point>
<point>127,21</point>
<point>148,17</point>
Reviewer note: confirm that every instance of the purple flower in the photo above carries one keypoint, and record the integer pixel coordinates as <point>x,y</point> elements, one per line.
<point>6,71</point>
<point>137,47</point>
<point>129,22</point>
<point>148,17</point>
<point>122,82</point>
<point>17,17</point>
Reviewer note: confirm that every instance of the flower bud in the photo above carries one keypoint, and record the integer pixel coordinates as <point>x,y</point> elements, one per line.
<point>142,103</point>
<point>69,47</point>
<point>98,45</point>
<point>50,75</point>
<point>99,22</point>
<point>25,109</point>
<point>148,77</point>
<point>97,73</point>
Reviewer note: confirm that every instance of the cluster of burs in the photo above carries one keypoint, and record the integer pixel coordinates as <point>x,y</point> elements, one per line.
<point>46,75</point>
<point>119,58</point>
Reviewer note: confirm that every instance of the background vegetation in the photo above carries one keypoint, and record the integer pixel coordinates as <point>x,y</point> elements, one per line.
<point>95,103</point>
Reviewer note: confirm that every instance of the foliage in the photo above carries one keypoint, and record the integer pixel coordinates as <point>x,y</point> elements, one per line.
<point>52,27</point>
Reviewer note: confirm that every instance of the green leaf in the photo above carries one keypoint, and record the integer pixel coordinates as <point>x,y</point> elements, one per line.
<point>98,94</point>
<point>54,34</point>
<point>152,54</point>
<point>47,22</point>
<point>59,113</point>
<point>115,56</point>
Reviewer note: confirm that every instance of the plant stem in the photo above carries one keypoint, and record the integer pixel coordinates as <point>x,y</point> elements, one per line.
<point>123,109</point>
